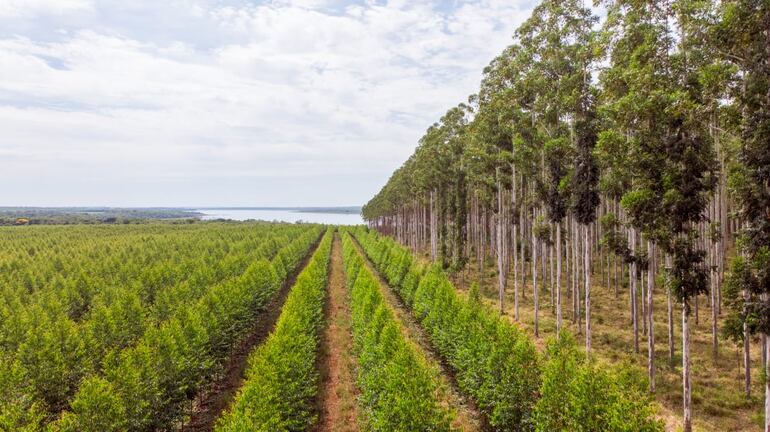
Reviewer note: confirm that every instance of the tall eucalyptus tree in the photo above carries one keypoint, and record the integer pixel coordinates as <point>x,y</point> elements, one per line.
<point>745,35</point>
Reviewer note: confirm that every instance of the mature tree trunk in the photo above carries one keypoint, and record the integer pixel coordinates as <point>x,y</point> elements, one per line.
<point>697,302</point>
<point>670,306</point>
<point>644,303</point>
<point>634,307</point>
<point>714,337</point>
<point>558,278</point>
<point>543,267</point>
<point>651,337</point>
<point>747,360</point>
<point>523,256</point>
<point>746,348</point>
<point>767,384</point>
<point>500,248</point>
<point>550,273</point>
<point>587,269</point>
<point>515,272</point>
<point>578,254</point>
<point>574,274</point>
<point>687,388</point>
<point>534,278</point>
<point>433,227</point>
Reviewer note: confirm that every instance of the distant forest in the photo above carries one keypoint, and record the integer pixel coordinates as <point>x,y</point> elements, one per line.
<point>88,215</point>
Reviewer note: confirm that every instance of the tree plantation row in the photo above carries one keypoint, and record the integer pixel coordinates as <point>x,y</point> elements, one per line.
<point>144,345</point>
<point>630,153</point>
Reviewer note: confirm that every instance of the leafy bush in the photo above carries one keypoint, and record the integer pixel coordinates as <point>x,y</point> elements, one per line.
<point>579,395</point>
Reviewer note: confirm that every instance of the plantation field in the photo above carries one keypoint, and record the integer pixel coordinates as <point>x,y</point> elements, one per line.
<point>121,327</point>
<point>274,327</point>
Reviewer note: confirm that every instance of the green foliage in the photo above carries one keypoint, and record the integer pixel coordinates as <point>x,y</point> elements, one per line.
<point>19,410</point>
<point>158,360</point>
<point>282,380</point>
<point>493,361</point>
<point>743,34</point>
<point>399,390</point>
<point>76,297</point>
<point>499,366</point>
<point>99,409</point>
<point>474,295</point>
<point>578,395</point>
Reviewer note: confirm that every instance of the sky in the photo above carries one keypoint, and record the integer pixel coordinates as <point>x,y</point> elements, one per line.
<point>229,102</point>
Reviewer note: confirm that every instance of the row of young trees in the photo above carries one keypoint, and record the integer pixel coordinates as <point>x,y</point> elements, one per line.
<point>281,385</point>
<point>400,389</point>
<point>609,145</point>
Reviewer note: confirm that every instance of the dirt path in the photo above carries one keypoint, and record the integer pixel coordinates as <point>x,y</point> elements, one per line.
<point>469,418</point>
<point>214,399</point>
<point>338,394</point>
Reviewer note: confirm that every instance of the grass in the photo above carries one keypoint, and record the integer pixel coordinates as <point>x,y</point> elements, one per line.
<point>719,403</point>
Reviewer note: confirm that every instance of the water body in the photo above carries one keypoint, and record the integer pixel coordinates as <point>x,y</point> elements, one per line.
<point>282,215</point>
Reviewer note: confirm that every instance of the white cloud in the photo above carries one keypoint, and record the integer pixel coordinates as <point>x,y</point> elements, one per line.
<point>278,90</point>
<point>31,8</point>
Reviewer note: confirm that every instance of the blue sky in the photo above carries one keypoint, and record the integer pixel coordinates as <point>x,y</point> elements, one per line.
<point>229,102</point>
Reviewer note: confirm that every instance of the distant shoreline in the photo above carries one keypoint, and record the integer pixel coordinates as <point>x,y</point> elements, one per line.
<point>332,210</point>
<point>193,211</point>
<point>99,215</point>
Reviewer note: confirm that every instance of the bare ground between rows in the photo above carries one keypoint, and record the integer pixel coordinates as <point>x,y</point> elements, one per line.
<point>215,398</point>
<point>338,395</point>
<point>469,417</point>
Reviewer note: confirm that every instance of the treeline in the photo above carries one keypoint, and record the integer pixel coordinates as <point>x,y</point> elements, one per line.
<point>91,215</point>
<point>629,148</point>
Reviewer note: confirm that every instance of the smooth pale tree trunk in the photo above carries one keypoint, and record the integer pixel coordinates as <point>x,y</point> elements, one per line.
<point>550,274</point>
<point>714,338</point>
<point>746,349</point>
<point>515,272</point>
<point>433,227</point>
<point>500,266</point>
<point>767,384</point>
<point>697,301</point>
<point>644,303</point>
<point>587,268</point>
<point>515,242</point>
<point>764,351</point>
<point>634,306</point>
<point>578,254</point>
<point>616,280</point>
<point>670,305</point>
<point>543,266</point>
<point>573,278</point>
<point>523,256</point>
<point>747,360</point>
<point>651,337</point>
<point>558,278</point>
<point>686,385</point>
<point>534,278</point>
